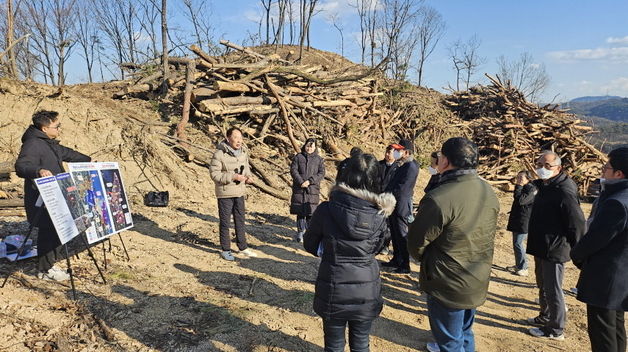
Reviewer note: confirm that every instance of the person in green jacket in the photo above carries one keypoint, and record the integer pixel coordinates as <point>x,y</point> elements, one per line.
<point>453,236</point>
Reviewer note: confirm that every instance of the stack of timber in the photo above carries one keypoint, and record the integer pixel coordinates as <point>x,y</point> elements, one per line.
<point>10,203</point>
<point>280,103</point>
<point>511,132</point>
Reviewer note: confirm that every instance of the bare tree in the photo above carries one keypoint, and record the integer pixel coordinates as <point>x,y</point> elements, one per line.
<point>363,8</point>
<point>10,35</point>
<point>282,8</point>
<point>164,46</point>
<point>465,59</point>
<point>87,36</point>
<point>528,77</point>
<point>197,13</point>
<point>148,13</point>
<point>267,5</point>
<point>455,54</point>
<point>400,34</point>
<point>431,29</point>
<point>307,10</point>
<point>335,21</point>
<point>38,12</point>
<point>63,22</point>
<point>291,20</point>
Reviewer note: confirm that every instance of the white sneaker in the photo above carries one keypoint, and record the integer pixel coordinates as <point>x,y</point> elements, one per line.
<point>522,272</point>
<point>55,274</point>
<point>226,255</point>
<point>537,332</point>
<point>432,347</point>
<point>249,253</point>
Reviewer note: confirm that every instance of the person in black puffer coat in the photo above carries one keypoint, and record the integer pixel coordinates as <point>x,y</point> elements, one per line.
<point>519,218</point>
<point>347,232</point>
<point>42,155</point>
<point>556,225</point>
<point>602,255</point>
<point>307,170</point>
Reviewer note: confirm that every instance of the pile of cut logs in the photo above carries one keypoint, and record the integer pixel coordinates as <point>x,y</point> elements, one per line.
<point>278,102</point>
<point>511,132</point>
<point>10,203</point>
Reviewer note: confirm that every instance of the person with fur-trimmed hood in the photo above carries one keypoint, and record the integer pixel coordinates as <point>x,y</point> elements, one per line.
<point>230,170</point>
<point>402,187</point>
<point>347,232</point>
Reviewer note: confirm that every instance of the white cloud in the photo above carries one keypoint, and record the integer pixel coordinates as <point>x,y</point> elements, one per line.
<point>617,86</point>
<point>535,66</point>
<point>616,55</point>
<point>253,16</point>
<point>340,8</point>
<point>617,40</point>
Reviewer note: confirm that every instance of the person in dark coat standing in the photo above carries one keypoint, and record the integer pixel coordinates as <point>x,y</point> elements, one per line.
<point>388,165</point>
<point>556,225</point>
<point>402,187</point>
<point>347,232</point>
<point>307,170</point>
<point>41,155</point>
<point>519,219</point>
<point>434,173</point>
<point>387,168</point>
<point>602,256</point>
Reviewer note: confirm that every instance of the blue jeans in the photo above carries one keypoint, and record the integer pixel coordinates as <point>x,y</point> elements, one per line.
<point>359,331</point>
<point>520,252</point>
<point>451,327</point>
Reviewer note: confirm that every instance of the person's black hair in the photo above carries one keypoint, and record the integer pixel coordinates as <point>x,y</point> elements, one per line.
<point>232,129</point>
<point>43,118</point>
<point>307,142</point>
<point>390,147</point>
<point>361,171</point>
<point>434,155</point>
<point>618,159</point>
<point>355,151</point>
<point>461,153</point>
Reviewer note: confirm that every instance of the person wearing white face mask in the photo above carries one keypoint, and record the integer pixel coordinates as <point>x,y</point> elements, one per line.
<point>556,225</point>
<point>433,171</point>
<point>602,257</point>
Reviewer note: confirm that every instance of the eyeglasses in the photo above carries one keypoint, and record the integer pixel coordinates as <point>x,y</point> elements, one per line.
<point>546,165</point>
<point>607,167</point>
<point>55,127</point>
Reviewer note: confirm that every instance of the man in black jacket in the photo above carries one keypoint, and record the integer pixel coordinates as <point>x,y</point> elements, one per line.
<point>556,225</point>
<point>402,187</point>
<point>42,155</point>
<point>602,255</point>
<point>388,165</point>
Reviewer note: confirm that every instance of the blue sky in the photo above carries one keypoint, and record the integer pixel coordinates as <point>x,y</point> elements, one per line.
<point>583,44</point>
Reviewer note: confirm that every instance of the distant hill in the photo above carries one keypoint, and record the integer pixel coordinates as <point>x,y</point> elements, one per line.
<point>589,99</point>
<point>610,134</point>
<point>608,107</point>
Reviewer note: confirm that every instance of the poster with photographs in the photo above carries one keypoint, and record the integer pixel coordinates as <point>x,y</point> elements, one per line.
<point>90,198</point>
<point>102,193</point>
<point>116,196</point>
<point>93,199</point>
<point>53,198</point>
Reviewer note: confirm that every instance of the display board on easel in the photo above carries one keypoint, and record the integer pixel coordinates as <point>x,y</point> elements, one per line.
<point>90,198</point>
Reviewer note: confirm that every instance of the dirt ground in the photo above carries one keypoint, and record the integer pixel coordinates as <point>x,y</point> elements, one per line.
<point>176,294</point>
